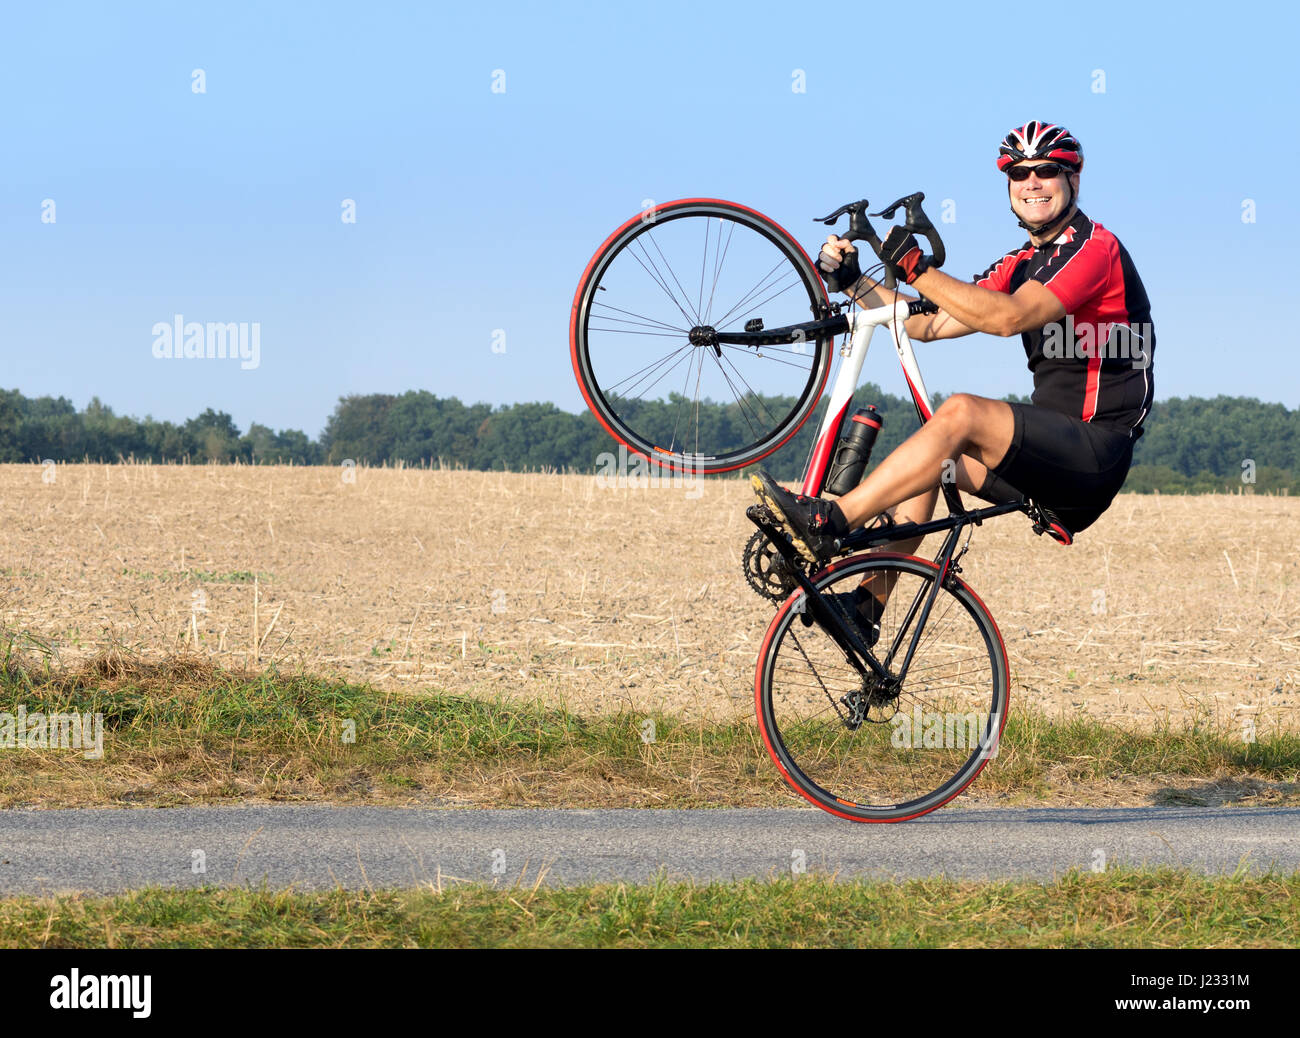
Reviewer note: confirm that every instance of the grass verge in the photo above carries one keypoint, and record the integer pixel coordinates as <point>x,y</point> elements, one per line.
<point>1161,908</point>
<point>182,732</point>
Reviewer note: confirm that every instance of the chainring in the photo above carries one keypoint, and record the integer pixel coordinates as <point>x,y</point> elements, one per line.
<point>766,569</point>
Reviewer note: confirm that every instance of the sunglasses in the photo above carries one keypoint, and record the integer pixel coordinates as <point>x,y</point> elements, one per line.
<point>1045,171</point>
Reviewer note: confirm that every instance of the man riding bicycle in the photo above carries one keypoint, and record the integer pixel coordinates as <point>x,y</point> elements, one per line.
<point>1075,297</point>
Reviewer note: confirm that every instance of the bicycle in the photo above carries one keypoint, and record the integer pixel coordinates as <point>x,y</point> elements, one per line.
<point>832,706</point>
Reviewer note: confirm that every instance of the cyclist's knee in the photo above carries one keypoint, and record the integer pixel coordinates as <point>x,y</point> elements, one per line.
<point>960,409</point>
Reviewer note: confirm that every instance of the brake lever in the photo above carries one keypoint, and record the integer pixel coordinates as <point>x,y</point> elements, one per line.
<point>918,223</point>
<point>860,229</point>
<point>851,207</point>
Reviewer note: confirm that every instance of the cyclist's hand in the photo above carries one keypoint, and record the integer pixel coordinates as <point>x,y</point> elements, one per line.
<point>838,263</point>
<point>900,251</point>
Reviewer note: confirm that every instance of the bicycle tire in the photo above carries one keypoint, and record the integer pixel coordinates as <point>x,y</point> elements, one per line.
<point>869,773</point>
<point>618,341</point>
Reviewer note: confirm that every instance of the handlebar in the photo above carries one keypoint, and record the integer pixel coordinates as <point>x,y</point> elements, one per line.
<point>916,221</point>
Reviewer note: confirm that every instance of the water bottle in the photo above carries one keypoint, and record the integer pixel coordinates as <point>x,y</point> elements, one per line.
<point>853,450</point>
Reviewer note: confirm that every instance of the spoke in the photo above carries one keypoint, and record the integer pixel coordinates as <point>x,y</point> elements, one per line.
<point>665,372</point>
<point>672,443</point>
<point>975,690</point>
<point>758,289</point>
<point>746,384</point>
<point>947,663</point>
<point>649,322</point>
<point>632,331</point>
<point>766,350</point>
<point>704,262</point>
<point>717,266</point>
<point>656,276</point>
<point>740,404</point>
<point>685,295</point>
<point>740,317</point>
<point>699,374</point>
<point>933,626</point>
<point>913,697</point>
<point>776,360</point>
<point>654,363</point>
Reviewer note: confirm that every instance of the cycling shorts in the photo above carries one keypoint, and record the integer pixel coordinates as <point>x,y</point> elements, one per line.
<point>1073,467</point>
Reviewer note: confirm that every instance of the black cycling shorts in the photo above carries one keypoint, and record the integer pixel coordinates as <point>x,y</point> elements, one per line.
<point>1073,467</point>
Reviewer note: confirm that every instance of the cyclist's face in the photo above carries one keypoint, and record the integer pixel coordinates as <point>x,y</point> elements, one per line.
<point>1040,200</point>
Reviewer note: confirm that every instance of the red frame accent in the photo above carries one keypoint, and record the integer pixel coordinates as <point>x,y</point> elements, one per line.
<point>814,479</point>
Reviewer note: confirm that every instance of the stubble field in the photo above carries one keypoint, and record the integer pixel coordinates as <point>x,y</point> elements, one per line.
<point>547,586</point>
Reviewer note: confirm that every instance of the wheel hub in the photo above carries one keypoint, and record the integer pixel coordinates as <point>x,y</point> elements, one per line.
<point>875,693</point>
<point>705,335</point>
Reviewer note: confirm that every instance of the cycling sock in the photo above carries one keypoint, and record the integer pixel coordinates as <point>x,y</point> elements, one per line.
<point>839,525</point>
<point>868,606</point>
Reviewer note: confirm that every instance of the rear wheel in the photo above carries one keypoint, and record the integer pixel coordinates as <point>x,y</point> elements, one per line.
<point>878,750</point>
<point>640,335</point>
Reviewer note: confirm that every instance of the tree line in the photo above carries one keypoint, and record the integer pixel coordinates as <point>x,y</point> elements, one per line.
<point>1190,445</point>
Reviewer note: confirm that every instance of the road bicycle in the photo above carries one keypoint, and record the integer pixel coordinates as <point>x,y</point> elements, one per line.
<point>879,727</point>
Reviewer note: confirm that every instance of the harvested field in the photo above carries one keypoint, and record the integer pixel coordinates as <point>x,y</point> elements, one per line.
<point>549,586</point>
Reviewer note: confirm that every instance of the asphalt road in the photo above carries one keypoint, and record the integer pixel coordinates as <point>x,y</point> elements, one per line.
<point>322,847</point>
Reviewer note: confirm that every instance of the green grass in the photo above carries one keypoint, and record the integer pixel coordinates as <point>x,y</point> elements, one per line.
<point>203,576</point>
<point>180,732</point>
<point>1162,908</point>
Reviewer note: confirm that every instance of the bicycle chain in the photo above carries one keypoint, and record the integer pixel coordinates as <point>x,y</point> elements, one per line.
<point>768,573</point>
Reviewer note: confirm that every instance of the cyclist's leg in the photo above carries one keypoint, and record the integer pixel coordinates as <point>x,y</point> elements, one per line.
<point>973,426</point>
<point>971,476</point>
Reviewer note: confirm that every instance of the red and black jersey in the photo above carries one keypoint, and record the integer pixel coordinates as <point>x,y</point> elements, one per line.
<point>1096,363</point>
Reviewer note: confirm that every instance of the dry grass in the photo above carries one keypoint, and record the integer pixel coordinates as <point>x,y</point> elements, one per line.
<point>547,587</point>
<point>180,731</point>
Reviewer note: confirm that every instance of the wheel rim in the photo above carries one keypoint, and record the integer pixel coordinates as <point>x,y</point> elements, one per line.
<point>916,751</point>
<point>644,348</point>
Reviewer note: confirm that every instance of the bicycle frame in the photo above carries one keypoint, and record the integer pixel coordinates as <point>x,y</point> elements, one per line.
<point>945,560</point>
<point>862,324</point>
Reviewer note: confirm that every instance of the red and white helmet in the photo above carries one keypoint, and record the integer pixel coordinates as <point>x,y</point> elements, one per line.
<point>1039,140</point>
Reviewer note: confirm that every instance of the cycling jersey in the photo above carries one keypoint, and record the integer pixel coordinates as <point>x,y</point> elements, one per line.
<point>1096,363</point>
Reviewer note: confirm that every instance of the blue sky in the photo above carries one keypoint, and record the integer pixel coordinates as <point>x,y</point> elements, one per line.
<point>477,211</point>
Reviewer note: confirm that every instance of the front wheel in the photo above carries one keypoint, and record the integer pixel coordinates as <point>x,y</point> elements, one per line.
<point>880,750</point>
<point>642,325</point>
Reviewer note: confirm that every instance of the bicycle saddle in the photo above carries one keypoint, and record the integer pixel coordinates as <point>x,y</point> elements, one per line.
<point>1048,522</point>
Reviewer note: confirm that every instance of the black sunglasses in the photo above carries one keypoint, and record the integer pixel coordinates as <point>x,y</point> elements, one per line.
<point>1046,171</point>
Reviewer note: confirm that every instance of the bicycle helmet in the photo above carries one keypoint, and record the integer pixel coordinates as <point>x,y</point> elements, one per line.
<point>1041,140</point>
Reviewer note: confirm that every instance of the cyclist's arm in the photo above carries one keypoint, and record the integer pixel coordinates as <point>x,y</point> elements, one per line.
<point>922,327</point>
<point>1031,306</point>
